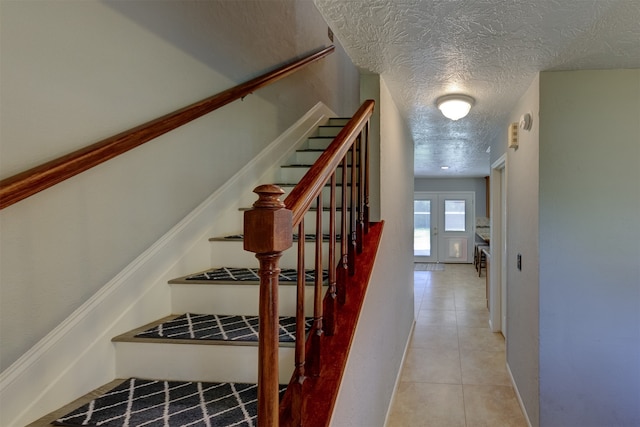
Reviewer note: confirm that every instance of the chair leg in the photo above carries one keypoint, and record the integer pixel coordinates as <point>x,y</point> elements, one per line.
<point>482,262</point>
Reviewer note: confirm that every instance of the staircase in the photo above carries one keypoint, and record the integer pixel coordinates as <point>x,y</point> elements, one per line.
<point>204,356</point>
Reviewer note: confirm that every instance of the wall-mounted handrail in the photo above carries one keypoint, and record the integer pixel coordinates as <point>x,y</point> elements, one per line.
<point>32,181</point>
<point>268,232</point>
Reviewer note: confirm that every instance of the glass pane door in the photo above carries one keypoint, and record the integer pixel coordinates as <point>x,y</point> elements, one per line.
<point>425,221</point>
<point>422,228</point>
<point>455,239</point>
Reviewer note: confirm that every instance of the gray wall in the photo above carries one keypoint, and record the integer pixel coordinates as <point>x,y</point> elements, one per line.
<point>477,185</point>
<point>589,248</point>
<point>73,73</point>
<point>522,238</point>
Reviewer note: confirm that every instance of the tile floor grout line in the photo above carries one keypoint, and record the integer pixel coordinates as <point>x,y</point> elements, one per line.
<point>464,406</point>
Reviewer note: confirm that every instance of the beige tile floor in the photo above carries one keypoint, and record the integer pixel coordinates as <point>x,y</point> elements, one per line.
<point>454,372</point>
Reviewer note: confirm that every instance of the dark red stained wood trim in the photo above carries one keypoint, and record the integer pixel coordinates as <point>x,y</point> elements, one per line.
<point>320,393</point>
<point>32,181</point>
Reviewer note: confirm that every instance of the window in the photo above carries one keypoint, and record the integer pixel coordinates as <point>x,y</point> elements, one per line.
<point>454,215</point>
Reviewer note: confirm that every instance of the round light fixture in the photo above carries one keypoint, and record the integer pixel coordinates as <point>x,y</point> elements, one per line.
<point>455,107</point>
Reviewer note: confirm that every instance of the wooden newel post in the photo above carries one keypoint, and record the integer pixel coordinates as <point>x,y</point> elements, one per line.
<point>268,231</point>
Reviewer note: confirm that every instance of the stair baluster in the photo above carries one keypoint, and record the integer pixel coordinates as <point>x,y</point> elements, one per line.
<point>354,209</point>
<point>297,407</point>
<point>330,309</point>
<point>313,359</point>
<point>366,177</point>
<point>343,268</point>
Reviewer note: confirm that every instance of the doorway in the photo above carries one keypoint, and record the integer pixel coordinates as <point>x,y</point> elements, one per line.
<point>443,226</point>
<point>498,273</point>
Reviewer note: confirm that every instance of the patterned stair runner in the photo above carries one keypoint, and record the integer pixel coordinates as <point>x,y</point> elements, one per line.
<point>215,327</point>
<point>241,274</point>
<point>141,402</point>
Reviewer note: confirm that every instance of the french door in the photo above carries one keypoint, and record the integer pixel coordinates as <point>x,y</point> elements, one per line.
<point>443,226</point>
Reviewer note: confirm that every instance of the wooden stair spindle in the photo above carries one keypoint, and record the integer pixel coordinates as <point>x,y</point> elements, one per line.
<point>330,312</point>
<point>297,401</point>
<point>366,177</point>
<point>268,232</point>
<point>343,267</point>
<point>360,231</point>
<point>313,358</point>
<point>354,209</point>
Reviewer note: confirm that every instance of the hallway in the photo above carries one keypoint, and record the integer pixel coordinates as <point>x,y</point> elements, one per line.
<point>454,373</point>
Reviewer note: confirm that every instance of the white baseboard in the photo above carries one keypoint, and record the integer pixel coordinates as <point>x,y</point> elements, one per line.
<point>395,386</point>
<point>78,356</point>
<point>520,402</point>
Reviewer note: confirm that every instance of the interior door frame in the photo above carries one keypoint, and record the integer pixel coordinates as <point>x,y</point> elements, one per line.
<point>498,265</point>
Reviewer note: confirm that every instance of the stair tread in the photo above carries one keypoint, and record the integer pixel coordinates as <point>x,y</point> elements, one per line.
<point>47,420</point>
<point>141,401</point>
<point>242,275</point>
<point>208,329</point>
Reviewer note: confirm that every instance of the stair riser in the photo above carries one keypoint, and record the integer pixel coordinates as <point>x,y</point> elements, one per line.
<point>195,362</point>
<point>329,130</point>
<point>234,299</point>
<point>295,173</point>
<point>309,157</point>
<point>306,157</point>
<point>339,121</point>
<point>232,254</point>
<point>326,193</point>
<point>319,143</point>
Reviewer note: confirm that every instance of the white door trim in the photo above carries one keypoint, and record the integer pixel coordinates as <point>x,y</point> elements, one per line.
<point>498,267</point>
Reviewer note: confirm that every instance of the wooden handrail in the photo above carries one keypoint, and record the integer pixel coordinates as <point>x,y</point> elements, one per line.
<point>305,192</point>
<point>32,181</point>
<point>268,230</point>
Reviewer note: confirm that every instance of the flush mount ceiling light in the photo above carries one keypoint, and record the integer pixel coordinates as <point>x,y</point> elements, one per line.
<point>455,107</point>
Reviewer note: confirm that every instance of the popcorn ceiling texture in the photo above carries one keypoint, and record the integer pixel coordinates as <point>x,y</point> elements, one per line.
<point>489,49</point>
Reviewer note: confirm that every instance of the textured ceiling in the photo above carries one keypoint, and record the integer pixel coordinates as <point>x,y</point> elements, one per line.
<point>489,49</point>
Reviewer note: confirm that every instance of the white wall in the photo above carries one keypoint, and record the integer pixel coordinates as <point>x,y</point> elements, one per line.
<point>589,248</point>
<point>387,315</point>
<point>477,185</point>
<point>73,73</point>
<point>522,238</point>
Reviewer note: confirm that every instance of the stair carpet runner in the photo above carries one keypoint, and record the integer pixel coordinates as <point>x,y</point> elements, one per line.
<point>152,402</point>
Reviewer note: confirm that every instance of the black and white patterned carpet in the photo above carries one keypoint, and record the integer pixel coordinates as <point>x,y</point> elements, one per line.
<point>139,402</point>
<point>234,274</point>
<point>215,327</point>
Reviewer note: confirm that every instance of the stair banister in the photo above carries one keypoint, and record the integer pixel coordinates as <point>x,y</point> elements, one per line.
<point>25,184</point>
<point>268,231</point>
